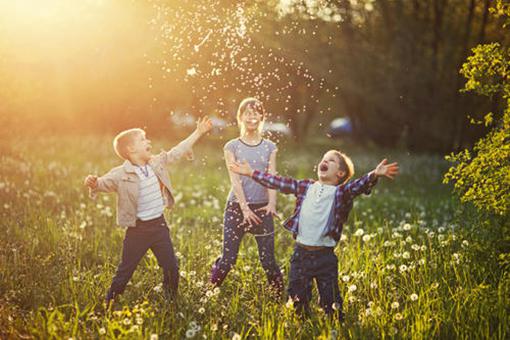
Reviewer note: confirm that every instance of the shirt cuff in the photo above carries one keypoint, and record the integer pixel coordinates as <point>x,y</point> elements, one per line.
<point>255,174</point>
<point>372,177</point>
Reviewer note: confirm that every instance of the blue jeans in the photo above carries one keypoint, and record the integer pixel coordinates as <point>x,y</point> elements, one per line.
<point>233,233</point>
<point>321,265</point>
<point>154,235</point>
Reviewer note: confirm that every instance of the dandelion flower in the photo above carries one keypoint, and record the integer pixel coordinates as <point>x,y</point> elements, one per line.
<point>352,288</point>
<point>414,297</point>
<point>395,305</point>
<point>158,288</point>
<point>398,316</point>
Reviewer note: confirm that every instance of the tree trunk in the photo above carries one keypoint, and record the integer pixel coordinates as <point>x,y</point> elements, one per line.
<point>481,36</point>
<point>458,128</point>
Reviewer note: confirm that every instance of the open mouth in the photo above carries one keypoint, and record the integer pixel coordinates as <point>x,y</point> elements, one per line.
<point>323,167</point>
<point>253,121</point>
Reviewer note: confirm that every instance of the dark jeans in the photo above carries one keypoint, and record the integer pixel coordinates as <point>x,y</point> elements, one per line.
<point>321,265</point>
<point>154,235</point>
<point>233,233</point>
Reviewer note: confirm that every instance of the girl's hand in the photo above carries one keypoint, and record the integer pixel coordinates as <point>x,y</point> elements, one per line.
<point>387,170</point>
<point>250,217</point>
<point>204,125</point>
<point>269,209</point>
<point>241,168</point>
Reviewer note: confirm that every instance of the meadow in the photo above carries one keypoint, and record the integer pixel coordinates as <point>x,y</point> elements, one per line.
<point>414,263</point>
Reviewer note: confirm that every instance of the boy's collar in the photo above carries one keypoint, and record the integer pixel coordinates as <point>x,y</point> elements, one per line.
<point>128,166</point>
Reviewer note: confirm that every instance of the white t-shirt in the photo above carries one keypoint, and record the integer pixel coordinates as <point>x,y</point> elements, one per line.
<point>150,198</point>
<point>314,215</point>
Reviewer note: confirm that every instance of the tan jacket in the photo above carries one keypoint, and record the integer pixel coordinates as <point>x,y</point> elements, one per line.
<point>125,182</point>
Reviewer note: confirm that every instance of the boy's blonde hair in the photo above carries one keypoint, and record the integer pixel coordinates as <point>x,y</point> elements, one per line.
<point>255,105</point>
<point>123,140</point>
<point>345,165</point>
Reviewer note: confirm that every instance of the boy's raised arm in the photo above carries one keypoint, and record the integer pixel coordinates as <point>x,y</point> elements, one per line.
<point>364,184</point>
<point>204,125</point>
<point>285,185</point>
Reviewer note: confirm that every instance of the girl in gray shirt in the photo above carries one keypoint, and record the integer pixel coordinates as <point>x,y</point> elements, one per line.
<point>250,206</point>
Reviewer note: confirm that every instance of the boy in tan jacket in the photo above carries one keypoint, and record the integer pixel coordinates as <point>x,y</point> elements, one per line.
<point>143,191</point>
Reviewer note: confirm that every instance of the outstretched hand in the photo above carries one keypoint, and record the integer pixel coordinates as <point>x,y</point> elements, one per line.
<point>90,181</point>
<point>243,168</point>
<point>387,170</point>
<point>204,125</point>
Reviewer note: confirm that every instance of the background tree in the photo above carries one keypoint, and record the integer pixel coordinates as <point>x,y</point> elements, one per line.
<point>482,175</point>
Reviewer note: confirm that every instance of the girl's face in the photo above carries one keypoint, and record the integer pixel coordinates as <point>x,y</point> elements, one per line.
<point>251,119</point>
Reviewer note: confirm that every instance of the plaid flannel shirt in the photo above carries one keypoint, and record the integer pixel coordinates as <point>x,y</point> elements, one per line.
<point>344,197</point>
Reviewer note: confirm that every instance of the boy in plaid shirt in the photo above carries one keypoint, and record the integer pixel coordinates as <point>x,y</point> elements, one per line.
<point>322,207</point>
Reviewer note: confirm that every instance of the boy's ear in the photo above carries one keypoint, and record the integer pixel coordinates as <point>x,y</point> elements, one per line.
<point>340,174</point>
<point>130,148</point>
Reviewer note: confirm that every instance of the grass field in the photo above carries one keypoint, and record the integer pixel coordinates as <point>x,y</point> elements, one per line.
<point>413,262</point>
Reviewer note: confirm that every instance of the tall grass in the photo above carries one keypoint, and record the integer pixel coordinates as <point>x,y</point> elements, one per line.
<point>413,263</point>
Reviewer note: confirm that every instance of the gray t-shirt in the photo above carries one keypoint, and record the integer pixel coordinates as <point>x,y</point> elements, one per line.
<point>258,158</point>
